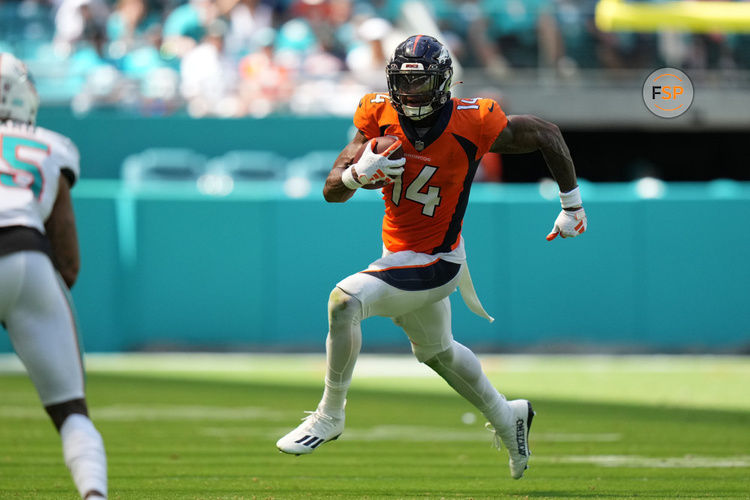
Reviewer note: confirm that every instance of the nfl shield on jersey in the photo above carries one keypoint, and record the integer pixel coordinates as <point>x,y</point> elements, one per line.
<point>31,161</point>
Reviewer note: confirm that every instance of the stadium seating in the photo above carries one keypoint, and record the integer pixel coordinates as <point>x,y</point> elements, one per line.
<point>163,164</point>
<point>243,166</point>
<point>313,166</point>
<point>249,165</point>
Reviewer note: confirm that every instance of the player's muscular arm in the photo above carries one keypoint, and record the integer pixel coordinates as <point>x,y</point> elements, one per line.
<point>335,191</point>
<point>62,234</point>
<point>528,133</point>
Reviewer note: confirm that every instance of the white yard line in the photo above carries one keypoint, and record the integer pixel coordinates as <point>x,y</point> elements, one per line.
<point>686,462</point>
<point>417,434</point>
<point>134,413</point>
<point>424,434</point>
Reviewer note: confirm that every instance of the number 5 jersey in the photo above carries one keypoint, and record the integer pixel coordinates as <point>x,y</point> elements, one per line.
<point>424,209</point>
<point>31,162</point>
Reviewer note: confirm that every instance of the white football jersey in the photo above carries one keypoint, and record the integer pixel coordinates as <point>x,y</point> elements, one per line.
<point>31,161</point>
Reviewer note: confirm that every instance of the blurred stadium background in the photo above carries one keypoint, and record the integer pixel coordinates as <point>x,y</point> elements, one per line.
<point>206,129</point>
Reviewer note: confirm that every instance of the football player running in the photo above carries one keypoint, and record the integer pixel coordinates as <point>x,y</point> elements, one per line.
<point>39,263</point>
<point>423,259</point>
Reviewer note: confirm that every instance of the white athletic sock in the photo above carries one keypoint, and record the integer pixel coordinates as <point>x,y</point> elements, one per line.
<point>343,344</point>
<point>83,450</point>
<point>333,400</point>
<point>463,372</point>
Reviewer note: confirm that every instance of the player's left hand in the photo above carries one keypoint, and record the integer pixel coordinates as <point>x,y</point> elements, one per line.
<point>569,224</point>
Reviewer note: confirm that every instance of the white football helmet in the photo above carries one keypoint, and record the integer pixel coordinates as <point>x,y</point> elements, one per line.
<point>18,98</point>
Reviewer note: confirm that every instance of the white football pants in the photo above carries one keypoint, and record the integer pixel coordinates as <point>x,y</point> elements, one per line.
<point>413,290</point>
<point>424,314</point>
<point>37,312</point>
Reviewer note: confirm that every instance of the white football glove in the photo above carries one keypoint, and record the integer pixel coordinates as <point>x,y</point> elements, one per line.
<point>373,167</point>
<point>570,223</point>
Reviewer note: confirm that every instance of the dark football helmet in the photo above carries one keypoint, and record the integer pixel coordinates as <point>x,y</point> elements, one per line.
<point>419,77</point>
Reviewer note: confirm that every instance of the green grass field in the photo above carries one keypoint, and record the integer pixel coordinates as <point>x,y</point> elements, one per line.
<point>204,427</point>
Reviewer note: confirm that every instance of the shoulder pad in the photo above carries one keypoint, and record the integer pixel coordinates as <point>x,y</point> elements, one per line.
<point>63,152</point>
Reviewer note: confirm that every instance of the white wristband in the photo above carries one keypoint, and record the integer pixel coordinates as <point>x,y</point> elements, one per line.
<point>348,179</point>
<point>571,199</point>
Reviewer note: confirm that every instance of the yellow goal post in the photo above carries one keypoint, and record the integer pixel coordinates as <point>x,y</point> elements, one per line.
<point>688,16</point>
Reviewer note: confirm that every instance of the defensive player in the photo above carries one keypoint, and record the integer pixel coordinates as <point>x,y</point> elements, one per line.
<point>423,261</point>
<point>38,264</point>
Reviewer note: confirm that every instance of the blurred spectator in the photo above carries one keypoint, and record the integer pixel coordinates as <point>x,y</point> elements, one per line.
<point>322,61</point>
<point>144,56</point>
<point>323,96</point>
<point>367,59</point>
<point>160,92</point>
<point>741,48</point>
<point>468,23</point>
<point>247,18</point>
<point>127,24</point>
<point>264,83</point>
<point>327,22</point>
<point>294,41</point>
<point>575,21</point>
<point>696,51</point>
<point>525,31</point>
<point>78,20</point>
<point>208,76</point>
<point>233,57</point>
<point>186,26</point>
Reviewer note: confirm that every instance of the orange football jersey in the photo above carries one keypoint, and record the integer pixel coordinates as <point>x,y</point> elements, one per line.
<point>424,209</point>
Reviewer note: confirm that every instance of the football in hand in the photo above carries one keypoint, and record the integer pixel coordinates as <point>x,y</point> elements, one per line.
<point>381,144</point>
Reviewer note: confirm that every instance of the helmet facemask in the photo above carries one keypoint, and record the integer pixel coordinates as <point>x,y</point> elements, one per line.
<point>419,77</point>
<point>418,93</point>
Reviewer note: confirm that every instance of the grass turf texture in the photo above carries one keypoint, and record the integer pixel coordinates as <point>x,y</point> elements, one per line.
<point>204,427</point>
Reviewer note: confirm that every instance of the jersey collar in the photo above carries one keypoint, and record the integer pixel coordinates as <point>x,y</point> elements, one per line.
<point>432,134</point>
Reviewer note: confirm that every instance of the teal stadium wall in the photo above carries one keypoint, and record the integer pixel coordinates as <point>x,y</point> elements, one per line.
<point>106,138</point>
<point>167,267</point>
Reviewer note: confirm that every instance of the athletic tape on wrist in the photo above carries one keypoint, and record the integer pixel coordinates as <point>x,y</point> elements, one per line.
<point>571,199</point>
<point>348,179</point>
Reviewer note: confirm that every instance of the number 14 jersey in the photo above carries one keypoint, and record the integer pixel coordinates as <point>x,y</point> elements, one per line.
<point>424,209</point>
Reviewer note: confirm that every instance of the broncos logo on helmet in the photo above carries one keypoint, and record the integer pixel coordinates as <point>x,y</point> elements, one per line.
<point>419,77</point>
